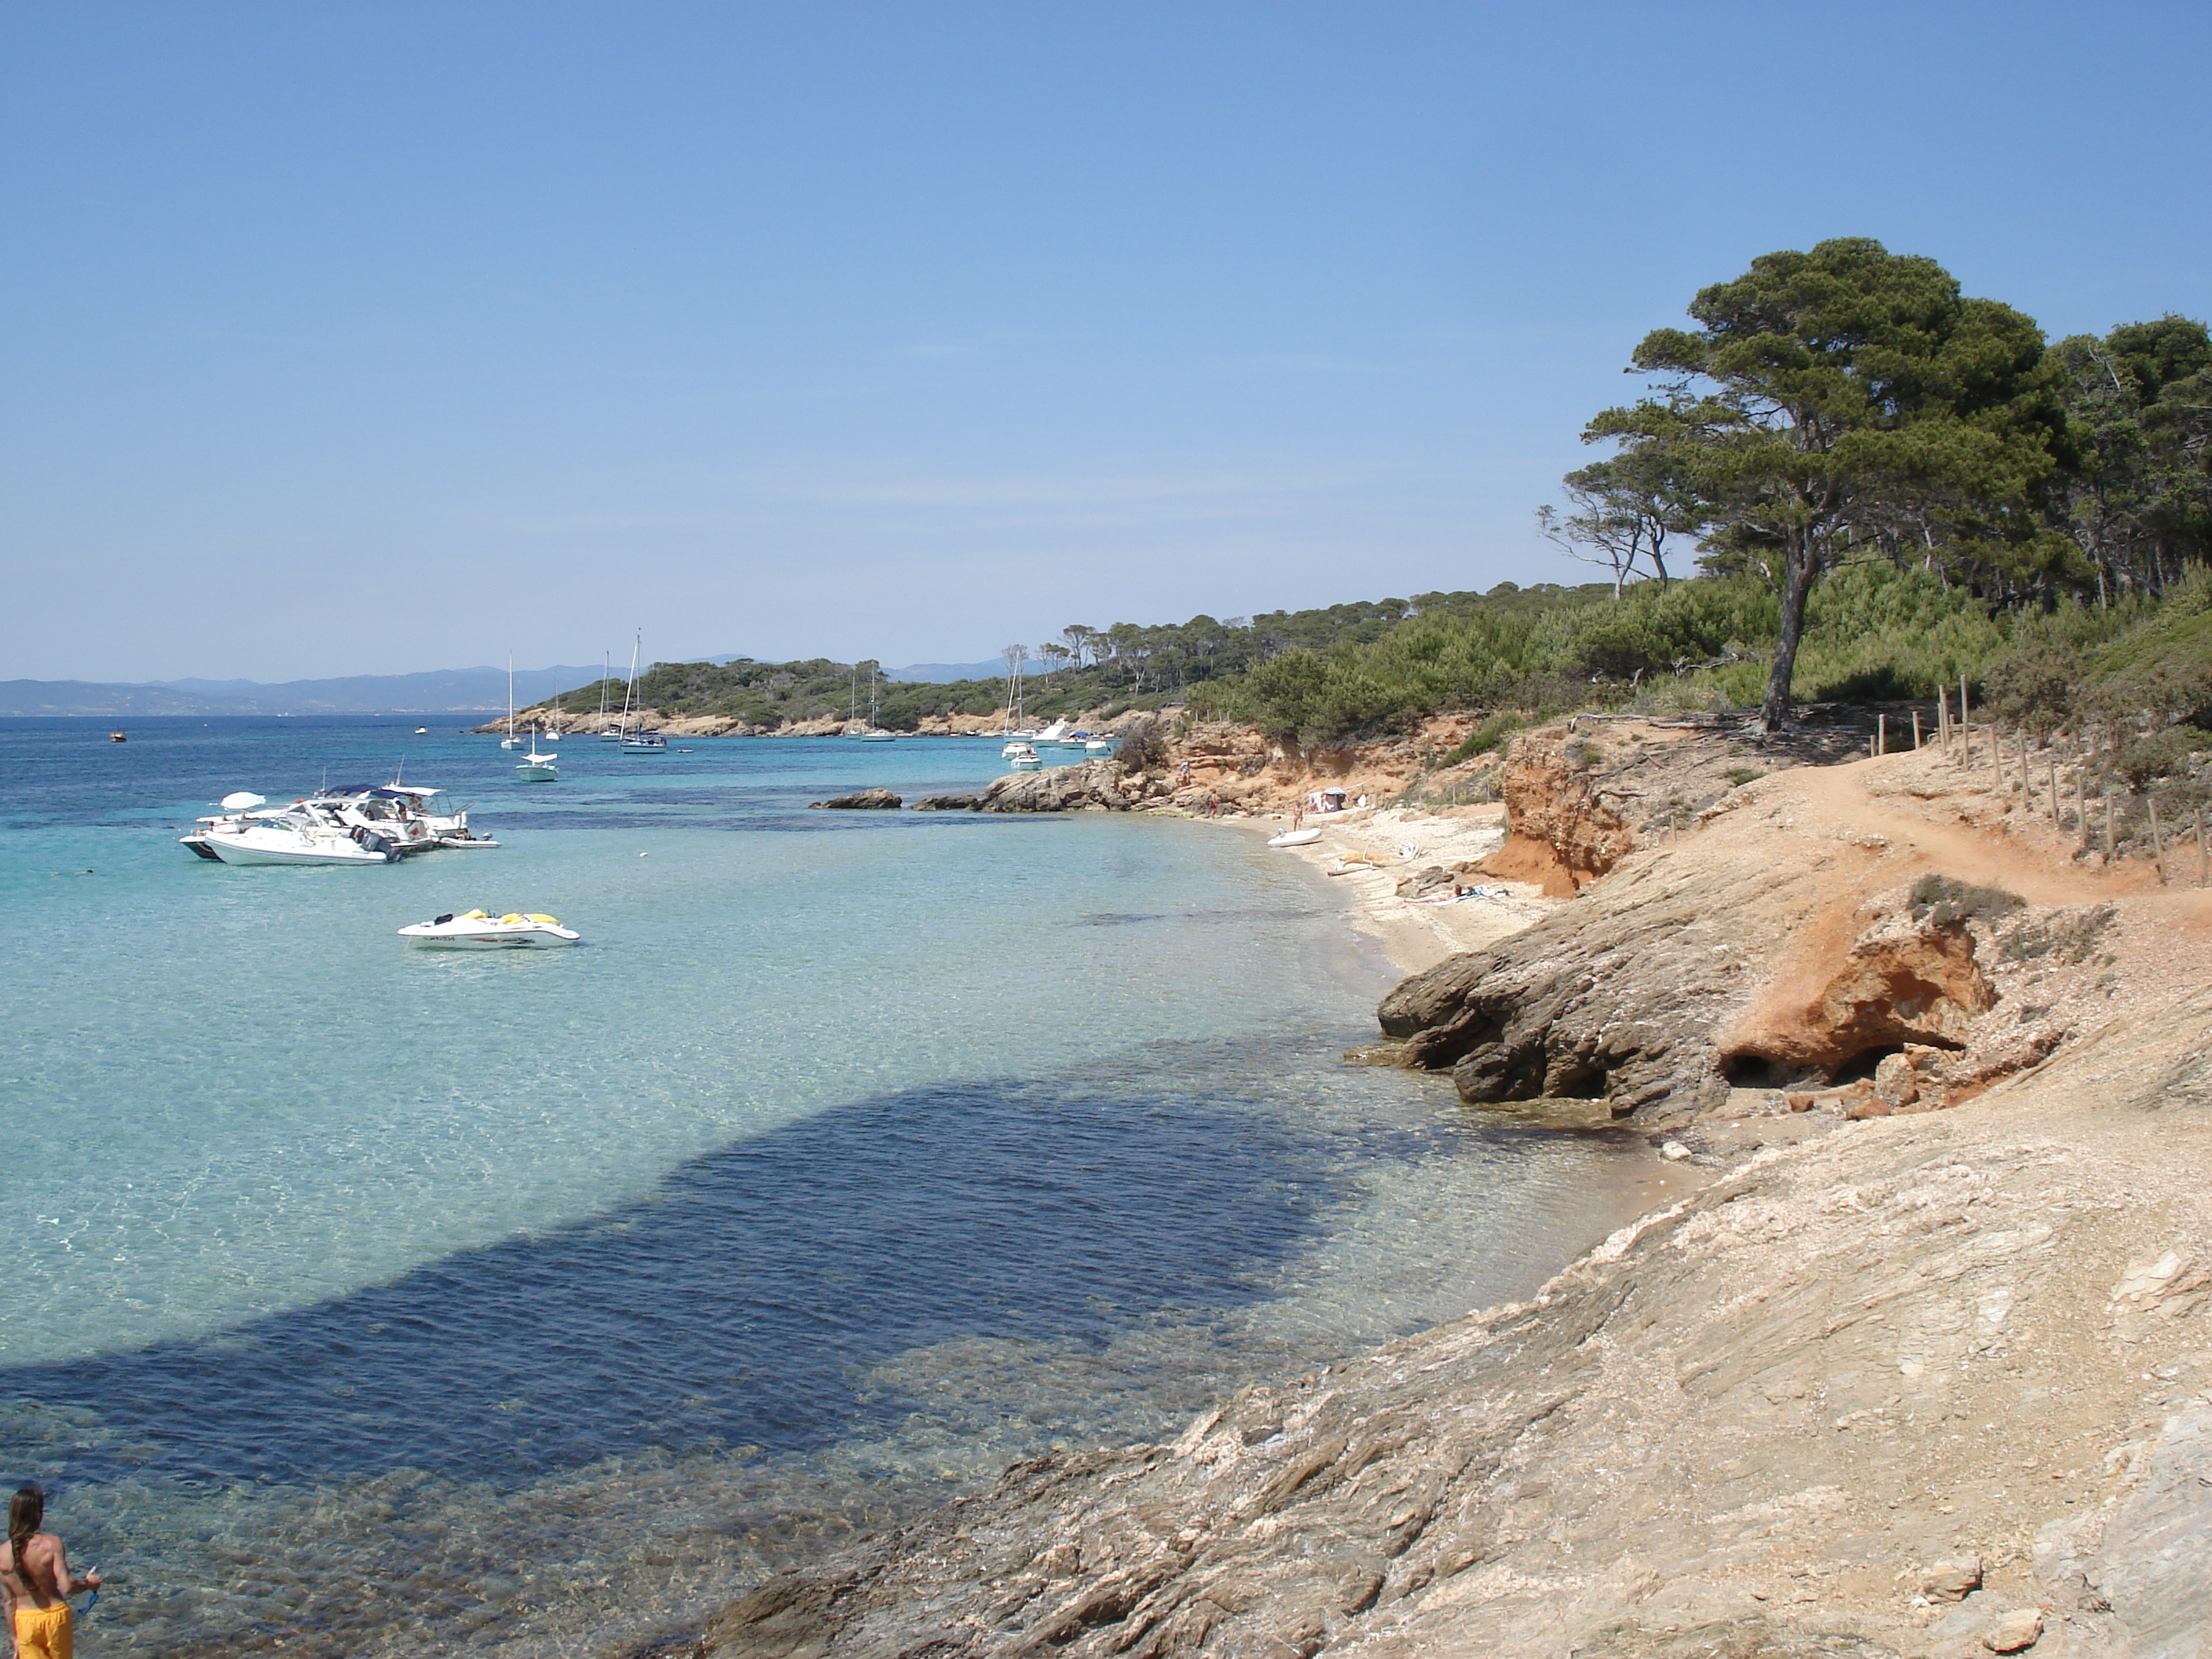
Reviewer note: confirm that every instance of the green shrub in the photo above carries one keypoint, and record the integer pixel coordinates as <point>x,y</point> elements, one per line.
<point>1943,901</point>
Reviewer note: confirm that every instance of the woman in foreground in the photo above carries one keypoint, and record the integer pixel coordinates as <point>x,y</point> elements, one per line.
<point>35,1576</point>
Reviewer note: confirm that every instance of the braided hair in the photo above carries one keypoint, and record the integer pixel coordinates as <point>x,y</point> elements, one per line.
<point>26,1510</point>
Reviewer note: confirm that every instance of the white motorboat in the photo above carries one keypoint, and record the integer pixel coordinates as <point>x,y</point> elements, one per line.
<point>1055,732</point>
<point>233,808</point>
<point>395,812</point>
<point>1098,746</point>
<point>475,930</point>
<point>1018,750</point>
<point>1295,838</point>
<point>403,812</point>
<point>298,835</point>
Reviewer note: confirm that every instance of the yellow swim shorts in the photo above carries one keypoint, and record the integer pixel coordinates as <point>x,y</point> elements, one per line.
<point>44,1632</point>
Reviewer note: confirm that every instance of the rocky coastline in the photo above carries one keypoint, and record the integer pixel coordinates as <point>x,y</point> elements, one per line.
<point>1924,1368</point>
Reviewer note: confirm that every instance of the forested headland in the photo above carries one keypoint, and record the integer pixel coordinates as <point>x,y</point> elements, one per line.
<point>1847,482</point>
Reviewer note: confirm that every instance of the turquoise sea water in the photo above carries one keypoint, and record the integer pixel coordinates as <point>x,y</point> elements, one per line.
<point>364,1299</point>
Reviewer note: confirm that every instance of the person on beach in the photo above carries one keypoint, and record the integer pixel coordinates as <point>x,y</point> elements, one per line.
<point>35,1577</point>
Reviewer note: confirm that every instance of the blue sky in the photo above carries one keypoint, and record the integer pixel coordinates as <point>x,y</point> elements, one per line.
<point>374,337</point>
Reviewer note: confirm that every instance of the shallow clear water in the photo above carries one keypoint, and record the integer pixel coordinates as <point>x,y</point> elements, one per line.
<point>366,1299</point>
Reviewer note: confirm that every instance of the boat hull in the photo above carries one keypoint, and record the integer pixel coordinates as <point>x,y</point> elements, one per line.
<point>489,936</point>
<point>233,850</point>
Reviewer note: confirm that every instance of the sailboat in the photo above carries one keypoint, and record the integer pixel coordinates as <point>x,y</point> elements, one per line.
<point>553,730</point>
<point>510,741</point>
<point>875,733</point>
<point>638,743</point>
<point>535,768</point>
<point>607,678</point>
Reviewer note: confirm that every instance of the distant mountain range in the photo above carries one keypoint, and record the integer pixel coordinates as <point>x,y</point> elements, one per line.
<point>943,673</point>
<point>446,691</point>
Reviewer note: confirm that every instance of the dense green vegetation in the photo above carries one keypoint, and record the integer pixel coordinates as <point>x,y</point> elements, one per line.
<point>1114,668</point>
<point>1848,404</point>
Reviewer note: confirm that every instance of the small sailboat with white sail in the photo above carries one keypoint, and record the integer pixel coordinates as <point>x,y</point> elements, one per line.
<point>640,742</point>
<point>510,741</point>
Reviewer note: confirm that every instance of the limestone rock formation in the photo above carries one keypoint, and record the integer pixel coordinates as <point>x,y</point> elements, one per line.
<point>865,800</point>
<point>948,803</point>
<point>1755,1423</point>
<point>1612,998</point>
<point>1058,789</point>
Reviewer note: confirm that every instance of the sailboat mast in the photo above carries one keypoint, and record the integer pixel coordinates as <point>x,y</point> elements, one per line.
<point>510,699</point>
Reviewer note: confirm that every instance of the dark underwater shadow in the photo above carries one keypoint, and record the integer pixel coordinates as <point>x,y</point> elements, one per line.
<point>736,1304</point>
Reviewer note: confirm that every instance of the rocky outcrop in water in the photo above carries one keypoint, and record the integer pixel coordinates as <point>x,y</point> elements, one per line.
<point>864,800</point>
<point>1058,789</point>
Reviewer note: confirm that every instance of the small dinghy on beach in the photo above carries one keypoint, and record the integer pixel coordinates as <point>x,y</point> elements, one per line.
<point>1295,838</point>
<point>475,930</point>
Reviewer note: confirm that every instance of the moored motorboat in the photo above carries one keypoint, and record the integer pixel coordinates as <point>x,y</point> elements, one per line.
<point>478,930</point>
<point>395,814</point>
<point>298,835</point>
<point>536,767</point>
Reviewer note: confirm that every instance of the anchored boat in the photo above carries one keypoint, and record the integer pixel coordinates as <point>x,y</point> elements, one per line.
<point>478,930</point>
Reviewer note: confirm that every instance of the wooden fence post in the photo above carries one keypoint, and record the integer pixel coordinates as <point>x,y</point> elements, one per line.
<point>1916,726</point>
<point>2157,840</point>
<point>2201,860</point>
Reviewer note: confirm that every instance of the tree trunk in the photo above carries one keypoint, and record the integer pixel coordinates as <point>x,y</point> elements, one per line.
<point>1797,582</point>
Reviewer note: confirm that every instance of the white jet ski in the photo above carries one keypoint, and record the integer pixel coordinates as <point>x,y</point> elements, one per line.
<point>475,930</point>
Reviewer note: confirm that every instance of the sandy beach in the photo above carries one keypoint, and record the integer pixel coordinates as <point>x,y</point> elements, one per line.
<point>1367,853</point>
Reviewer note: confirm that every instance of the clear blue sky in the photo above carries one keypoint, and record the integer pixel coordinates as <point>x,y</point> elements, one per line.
<point>368,338</point>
